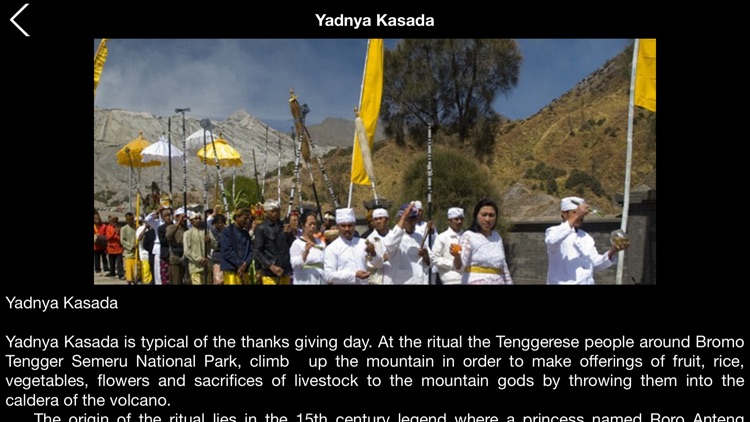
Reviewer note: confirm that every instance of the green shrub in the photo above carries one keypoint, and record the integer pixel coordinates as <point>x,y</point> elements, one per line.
<point>579,180</point>
<point>246,192</point>
<point>457,181</point>
<point>551,186</point>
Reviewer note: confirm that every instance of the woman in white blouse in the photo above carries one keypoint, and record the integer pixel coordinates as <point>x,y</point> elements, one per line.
<point>481,259</point>
<point>307,253</point>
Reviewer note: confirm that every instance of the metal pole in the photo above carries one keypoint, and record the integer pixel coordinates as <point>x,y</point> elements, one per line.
<point>207,125</point>
<point>218,172</point>
<point>205,172</point>
<point>429,192</point>
<point>296,175</point>
<point>329,186</point>
<point>184,163</point>
<point>137,188</point>
<point>169,153</point>
<point>263,172</point>
<point>184,156</point>
<point>161,172</point>
<point>628,160</point>
<point>278,184</point>
<point>258,191</point>
<point>304,110</point>
<point>361,93</point>
<point>349,201</point>
<point>130,188</point>
<point>429,172</point>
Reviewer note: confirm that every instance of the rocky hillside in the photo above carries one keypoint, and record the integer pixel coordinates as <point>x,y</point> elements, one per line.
<point>576,145</point>
<point>113,129</point>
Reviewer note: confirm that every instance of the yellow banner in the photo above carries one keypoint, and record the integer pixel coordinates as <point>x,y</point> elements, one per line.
<point>99,59</point>
<point>645,75</point>
<point>369,110</point>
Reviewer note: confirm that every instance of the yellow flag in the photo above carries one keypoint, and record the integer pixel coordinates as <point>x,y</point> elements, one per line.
<point>99,59</point>
<point>369,109</point>
<point>645,75</point>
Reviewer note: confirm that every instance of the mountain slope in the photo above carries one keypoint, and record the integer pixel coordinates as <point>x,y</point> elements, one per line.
<point>580,137</point>
<point>576,145</point>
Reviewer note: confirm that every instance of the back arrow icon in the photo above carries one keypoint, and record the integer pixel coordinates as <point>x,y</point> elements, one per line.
<point>14,22</point>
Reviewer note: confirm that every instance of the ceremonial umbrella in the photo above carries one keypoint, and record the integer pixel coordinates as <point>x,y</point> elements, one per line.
<point>130,156</point>
<point>159,151</point>
<point>194,142</point>
<point>221,150</point>
<point>219,153</point>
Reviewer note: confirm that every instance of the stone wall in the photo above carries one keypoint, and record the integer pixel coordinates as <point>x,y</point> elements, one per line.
<point>527,253</point>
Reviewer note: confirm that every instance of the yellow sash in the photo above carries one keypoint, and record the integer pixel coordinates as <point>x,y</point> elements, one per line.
<point>484,270</point>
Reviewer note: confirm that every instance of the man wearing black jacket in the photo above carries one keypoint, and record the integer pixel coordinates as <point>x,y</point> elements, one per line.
<point>174,233</point>
<point>161,233</point>
<point>237,250</point>
<point>271,245</point>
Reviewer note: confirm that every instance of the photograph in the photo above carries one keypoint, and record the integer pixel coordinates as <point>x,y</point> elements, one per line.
<point>378,162</point>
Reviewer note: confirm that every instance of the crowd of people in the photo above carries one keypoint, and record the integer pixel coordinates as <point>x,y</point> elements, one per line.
<point>173,247</point>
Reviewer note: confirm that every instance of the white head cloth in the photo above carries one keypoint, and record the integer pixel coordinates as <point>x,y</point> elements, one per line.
<point>379,212</point>
<point>271,204</point>
<point>345,215</point>
<point>455,212</point>
<point>570,203</point>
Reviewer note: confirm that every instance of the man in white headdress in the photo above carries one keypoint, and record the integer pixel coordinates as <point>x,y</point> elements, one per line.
<point>378,264</point>
<point>409,261</point>
<point>421,226</point>
<point>443,254</point>
<point>346,257</point>
<point>572,254</point>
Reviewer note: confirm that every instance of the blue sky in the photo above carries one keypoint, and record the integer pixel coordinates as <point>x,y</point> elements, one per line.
<point>216,77</point>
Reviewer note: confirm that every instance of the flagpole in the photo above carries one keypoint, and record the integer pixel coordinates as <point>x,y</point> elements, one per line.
<point>429,194</point>
<point>628,161</point>
<point>361,93</point>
